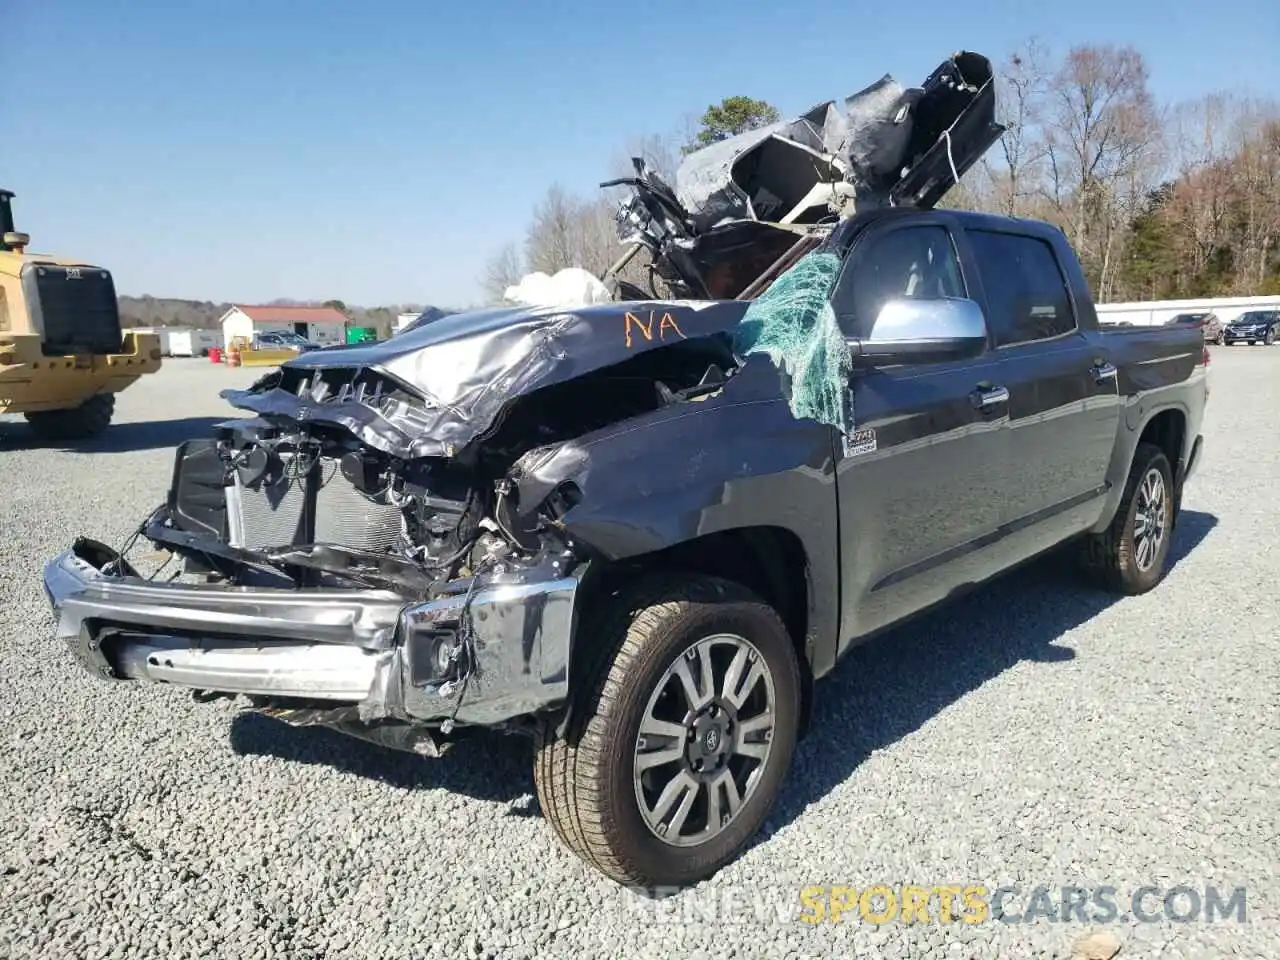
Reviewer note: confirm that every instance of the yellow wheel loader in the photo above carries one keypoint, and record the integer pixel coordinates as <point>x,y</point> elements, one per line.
<point>63,356</point>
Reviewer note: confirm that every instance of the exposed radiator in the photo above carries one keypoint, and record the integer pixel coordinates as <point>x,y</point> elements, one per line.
<point>323,507</point>
<point>267,515</point>
<point>347,517</point>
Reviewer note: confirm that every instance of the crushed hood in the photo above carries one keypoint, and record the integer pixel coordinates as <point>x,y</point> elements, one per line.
<point>433,390</point>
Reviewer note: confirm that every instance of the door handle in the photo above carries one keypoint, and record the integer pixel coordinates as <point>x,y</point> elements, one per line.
<point>985,398</point>
<point>1103,371</point>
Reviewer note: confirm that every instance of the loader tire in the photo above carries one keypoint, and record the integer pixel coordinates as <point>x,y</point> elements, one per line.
<point>1130,556</point>
<point>76,423</point>
<point>602,780</point>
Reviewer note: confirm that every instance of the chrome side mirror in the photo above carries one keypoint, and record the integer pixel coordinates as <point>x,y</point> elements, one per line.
<point>911,330</point>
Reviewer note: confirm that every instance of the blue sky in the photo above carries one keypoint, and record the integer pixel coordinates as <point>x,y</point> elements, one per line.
<point>380,151</point>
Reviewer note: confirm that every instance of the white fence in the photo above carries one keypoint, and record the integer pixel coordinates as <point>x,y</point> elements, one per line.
<point>1152,312</point>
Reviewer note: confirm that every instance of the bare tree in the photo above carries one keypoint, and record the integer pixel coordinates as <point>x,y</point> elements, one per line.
<point>504,269</point>
<point>1101,124</point>
<point>550,242</point>
<point>566,231</point>
<point>660,151</point>
<point>1021,90</point>
<point>1200,148</point>
<point>598,244</point>
<point>976,191</point>
<point>1258,193</point>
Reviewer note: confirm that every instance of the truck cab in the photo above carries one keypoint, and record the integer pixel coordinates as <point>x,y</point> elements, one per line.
<point>983,383</point>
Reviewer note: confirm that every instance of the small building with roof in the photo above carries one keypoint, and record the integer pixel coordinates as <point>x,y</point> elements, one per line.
<point>322,325</point>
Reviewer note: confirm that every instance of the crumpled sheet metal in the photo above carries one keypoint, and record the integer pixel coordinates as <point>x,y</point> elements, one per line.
<point>867,134</point>
<point>793,324</point>
<point>467,367</point>
<point>386,692</point>
<point>863,137</point>
<point>411,738</point>
<point>704,180</point>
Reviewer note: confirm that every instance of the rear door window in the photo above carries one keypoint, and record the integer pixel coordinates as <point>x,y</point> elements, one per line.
<point>1026,289</point>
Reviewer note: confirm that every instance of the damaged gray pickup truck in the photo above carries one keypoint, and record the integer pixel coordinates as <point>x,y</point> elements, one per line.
<point>639,531</point>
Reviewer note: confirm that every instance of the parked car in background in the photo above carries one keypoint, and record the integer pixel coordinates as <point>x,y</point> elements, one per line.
<point>1252,326</point>
<point>1208,322</point>
<point>286,341</point>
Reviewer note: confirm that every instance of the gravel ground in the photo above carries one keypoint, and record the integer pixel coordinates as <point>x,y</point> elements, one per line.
<point>1036,734</point>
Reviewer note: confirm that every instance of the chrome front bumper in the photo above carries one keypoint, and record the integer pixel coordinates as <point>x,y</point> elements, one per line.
<point>365,647</point>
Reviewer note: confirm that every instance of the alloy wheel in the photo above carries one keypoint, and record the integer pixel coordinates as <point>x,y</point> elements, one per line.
<point>1150,519</point>
<point>704,740</point>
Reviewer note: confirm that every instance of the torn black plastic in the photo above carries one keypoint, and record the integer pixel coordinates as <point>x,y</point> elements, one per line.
<point>393,734</point>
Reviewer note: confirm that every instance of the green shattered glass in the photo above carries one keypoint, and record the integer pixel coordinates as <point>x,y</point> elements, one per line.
<point>793,324</point>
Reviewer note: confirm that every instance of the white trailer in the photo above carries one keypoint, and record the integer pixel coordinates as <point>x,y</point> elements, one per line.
<point>193,343</point>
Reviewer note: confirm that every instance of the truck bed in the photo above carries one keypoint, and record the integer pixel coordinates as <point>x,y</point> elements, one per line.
<point>1149,358</point>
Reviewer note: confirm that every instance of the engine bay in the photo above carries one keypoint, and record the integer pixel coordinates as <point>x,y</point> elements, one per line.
<point>305,502</point>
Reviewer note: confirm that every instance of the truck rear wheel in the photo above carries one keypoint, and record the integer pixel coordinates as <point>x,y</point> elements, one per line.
<point>680,735</point>
<point>1130,556</point>
<point>75,423</point>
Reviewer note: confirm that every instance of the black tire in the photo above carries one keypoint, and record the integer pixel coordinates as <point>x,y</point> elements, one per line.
<point>1253,343</point>
<point>585,778</point>
<point>77,423</point>
<point>1112,557</point>
<point>1270,338</point>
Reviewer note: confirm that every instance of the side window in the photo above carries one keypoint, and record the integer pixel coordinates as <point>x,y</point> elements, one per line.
<point>1026,290</point>
<point>908,262</point>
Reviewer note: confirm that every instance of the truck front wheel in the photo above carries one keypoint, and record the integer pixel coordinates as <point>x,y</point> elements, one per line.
<point>1130,556</point>
<point>680,733</point>
<point>75,423</point>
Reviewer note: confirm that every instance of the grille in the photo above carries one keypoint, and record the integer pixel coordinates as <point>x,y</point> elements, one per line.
<point>278,515</point>
<point>78,308</point>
